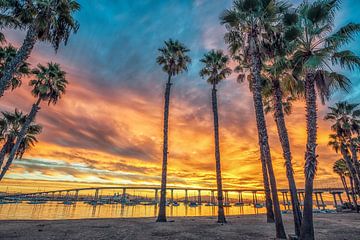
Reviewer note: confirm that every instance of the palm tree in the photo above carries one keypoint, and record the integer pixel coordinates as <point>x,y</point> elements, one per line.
<point>340,168</point>
<point>27,143</point>
<point>10,125</point>
<point>280,90</point>
<point>338,145</point>
<point>318,50</point>
<point>174,60</point>
<point>280,103</point>
<point>346,123</point>
<point>44,20</point>
<point>246,22</point>
<point>215,70</point>
<point>49,86</point>
<point>7,53</point>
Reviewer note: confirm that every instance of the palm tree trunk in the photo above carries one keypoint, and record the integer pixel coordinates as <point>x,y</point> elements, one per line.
<point>353,177</point>
<point>162,204</point>
<point>353,149</point>
<point>351,169</point>
<point>221,214</point>
<point>284,140</point>
<point>262,131</point>
<point>353,194</point>
<point>352,187</point>
<point>22,54</point>
<point>270,218</point>
<point>268,201</point>
<point>346,188</point>
<point>4,150</point>
<point>307,227</point>
<point>30,118</point>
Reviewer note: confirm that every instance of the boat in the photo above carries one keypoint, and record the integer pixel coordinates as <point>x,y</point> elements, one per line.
<point>37,202</point>
<point>3,201</point>
<point>210,204</point>
<point>259,205</point>
<point>10,201</point>
<point>193,204</point>
<point>148,203</point>
<point>95,203</point>
<point>227,204</point>
<point>239,204</point>
<point>67,202</point>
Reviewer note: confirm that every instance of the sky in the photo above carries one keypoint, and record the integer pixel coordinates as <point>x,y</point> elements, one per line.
<point>107,128</point>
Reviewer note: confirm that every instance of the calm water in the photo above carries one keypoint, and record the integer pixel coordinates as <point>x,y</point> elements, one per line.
<point>57,210</point>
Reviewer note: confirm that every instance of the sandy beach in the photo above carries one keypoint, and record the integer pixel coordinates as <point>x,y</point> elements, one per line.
<point>327,226</point>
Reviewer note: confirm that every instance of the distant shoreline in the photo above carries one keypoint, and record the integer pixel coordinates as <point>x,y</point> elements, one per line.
<point>327,226</point>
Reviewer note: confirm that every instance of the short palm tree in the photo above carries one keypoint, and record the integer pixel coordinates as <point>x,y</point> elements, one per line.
<point>215,70</point>
<point>44,20</point>
<point>340,168</point>
<point>338,144</point>
<point>318,50</point>
<point>174,60</point>
<point>246,22</point>
<point>7,53</point>
<point>27,143</point>
<point>346,123</point>
<point>49,85</point>
<point>10,125</point>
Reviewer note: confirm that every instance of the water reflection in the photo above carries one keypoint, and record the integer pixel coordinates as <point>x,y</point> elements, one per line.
<point>58,210</point>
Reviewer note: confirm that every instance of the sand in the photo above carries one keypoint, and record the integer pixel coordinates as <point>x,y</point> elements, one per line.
<point>327,226</point>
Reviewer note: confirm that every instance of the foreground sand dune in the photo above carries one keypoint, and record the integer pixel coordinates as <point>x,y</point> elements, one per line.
<point>328,227</point>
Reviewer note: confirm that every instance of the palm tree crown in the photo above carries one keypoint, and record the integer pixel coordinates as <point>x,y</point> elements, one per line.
<point>29,140</point>
<point>337,143</point>
<point>250,17</point>
<point>10,126</point>
<point>50,82</point>
<point>51,19</point>
<point>215,67</point>
<point>319,49</point>
<point>6,54</point>
<point>346,118</point>
<point>173,57</point>
<point>340,168</point>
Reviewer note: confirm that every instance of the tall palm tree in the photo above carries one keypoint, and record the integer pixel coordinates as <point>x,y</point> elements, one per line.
<point>280,90</point>
<point>246,22</point>
<point>215,70</point>
<point>174,60</point>
<point>7,53</point>
<point>318,49</point>
<point>340,168</point>
<point>49,85</point>
<point>27,143</point>
<point>44,20</point>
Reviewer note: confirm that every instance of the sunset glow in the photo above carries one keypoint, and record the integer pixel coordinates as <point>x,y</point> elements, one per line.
<point>107,129</point>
